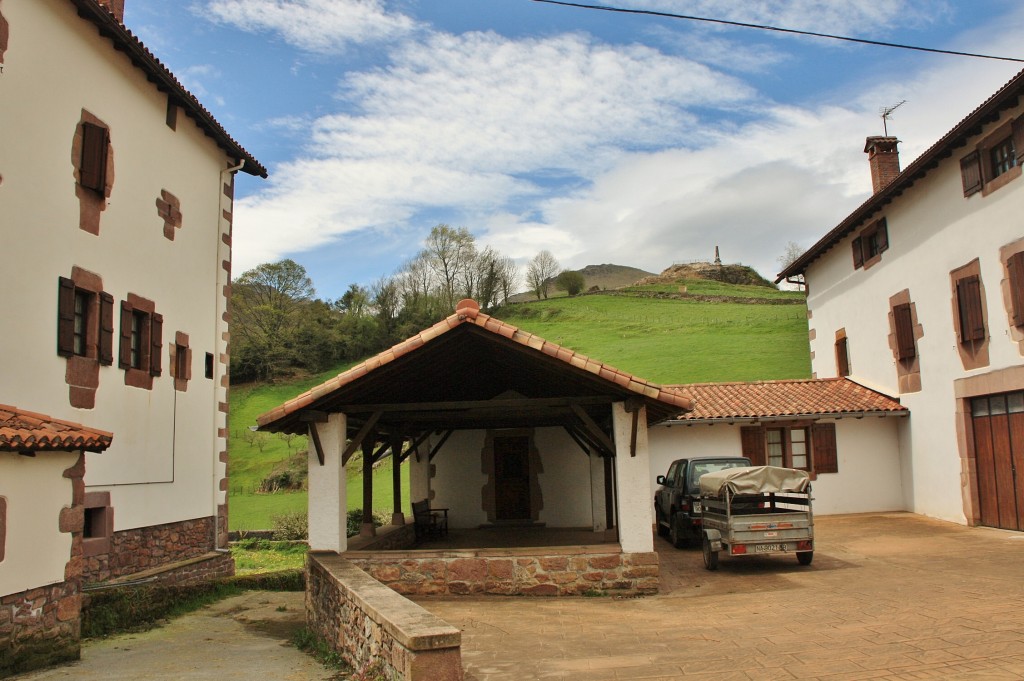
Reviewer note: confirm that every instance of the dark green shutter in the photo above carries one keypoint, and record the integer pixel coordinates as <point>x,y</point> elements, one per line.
<point>106,349</point>
<point>823,448</point>
<point>124,354</point>
<point>753,444</point>
<point>93,170</point>
<point>970,172</point>
<point>65,317</point>
<point>156,344</point>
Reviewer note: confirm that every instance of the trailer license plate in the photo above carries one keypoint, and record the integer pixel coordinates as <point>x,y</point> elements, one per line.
<point>696,507</point>
<point>769,548</point>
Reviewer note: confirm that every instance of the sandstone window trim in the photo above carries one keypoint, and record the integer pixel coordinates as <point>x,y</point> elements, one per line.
<point>995,161</point>
<point>141,342</point>
<point>869,245</point>
<point>98,526</point>
<point>181,361</point>
<point>842,348</point>
<point>85,321</point>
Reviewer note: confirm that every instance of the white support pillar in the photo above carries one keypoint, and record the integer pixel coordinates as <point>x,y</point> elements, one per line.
<point>597,501</point>
<point>634,498</point>
<point>327,495</point>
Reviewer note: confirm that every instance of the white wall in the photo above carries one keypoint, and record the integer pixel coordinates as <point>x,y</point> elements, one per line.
<point>36,491</point>
<point>459,479</point>
<point>870,474</point>
<point>565,481</point>
<point>932,230</point>
<point>162,465</point>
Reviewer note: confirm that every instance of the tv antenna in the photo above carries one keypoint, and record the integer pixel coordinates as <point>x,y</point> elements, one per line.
<point>886,113</point>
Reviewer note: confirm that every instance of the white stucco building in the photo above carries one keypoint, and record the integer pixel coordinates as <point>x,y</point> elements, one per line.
<point>116,190</point>
<point>919,294</point>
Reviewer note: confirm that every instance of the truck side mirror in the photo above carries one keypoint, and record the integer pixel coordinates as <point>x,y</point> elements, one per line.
<point>660,480</point>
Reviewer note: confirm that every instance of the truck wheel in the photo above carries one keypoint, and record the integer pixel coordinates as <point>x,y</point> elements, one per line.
<point>805,557</point>
<point>660,523</point>
<point>676,534</point>
<point>711,557</point>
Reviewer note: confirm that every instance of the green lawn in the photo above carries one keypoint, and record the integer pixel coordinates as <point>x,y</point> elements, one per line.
<point>666,340</point>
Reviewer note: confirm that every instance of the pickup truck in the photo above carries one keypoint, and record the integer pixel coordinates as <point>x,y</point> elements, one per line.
<point>677,510</point>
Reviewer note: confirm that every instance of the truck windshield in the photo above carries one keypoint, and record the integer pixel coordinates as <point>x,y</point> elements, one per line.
<point>702,467</point>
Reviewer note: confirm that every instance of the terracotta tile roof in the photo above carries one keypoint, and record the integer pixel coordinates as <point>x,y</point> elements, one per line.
<point>125,41</point>
<point>468,312</point>
<point>768,399</point>
<point>1005,97</point>
<point>26,431</point>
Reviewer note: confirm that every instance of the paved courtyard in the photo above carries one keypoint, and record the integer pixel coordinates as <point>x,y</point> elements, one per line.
<point>889,596</point>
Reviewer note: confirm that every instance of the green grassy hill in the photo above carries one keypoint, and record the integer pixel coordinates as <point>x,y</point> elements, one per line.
<point>683,332</point>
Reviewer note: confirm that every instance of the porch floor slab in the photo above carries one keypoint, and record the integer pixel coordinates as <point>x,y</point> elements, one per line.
<point>513,537</point>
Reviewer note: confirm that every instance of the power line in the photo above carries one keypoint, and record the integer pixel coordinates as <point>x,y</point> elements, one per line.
<point>863,41</point>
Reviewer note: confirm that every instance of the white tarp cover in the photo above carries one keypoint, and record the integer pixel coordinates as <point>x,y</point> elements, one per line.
<point>754,480</point>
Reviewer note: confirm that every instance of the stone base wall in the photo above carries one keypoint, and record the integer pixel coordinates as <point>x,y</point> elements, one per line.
<point>377,631</point>
<point>146,548</point>
<point>39,627</point>
<point>548,571</point>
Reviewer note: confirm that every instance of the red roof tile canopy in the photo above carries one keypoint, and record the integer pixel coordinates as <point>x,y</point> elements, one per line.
<point>791,398</point>
<point>26,431</point>
<point>140,56</point>
<point>449,375</point>
<point>1005,98</point>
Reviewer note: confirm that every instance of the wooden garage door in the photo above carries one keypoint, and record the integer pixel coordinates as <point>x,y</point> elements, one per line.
<point>999,448</point>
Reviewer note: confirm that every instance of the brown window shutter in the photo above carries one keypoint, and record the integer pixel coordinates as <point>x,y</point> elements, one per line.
<point>883,235</point>
<point>972,321</point>
<point>752,441</point>
<point>970,172</point>
<point>93,171</point>
<point>65,317</point>
<point>823,448</point>
<point>1015,266</point>
<point>124,354</point>
<point>1018,139</point>
<point>842,358</point>
<point>858,253</point>
<point>904,323</point>
<point>106,349</point>
<point>156,344</point>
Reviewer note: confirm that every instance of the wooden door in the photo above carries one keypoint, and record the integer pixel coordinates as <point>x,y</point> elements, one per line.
<point>512,477</point>
<point>999,454</point>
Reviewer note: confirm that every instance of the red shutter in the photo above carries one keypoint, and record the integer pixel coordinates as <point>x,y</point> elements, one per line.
<point>882,238</point>
<point>752,441</point>
<point>1018,139</point>
<point>972,321</point>
<point>823,448</point>
<point>156,344</point>
<point>93,170</point>
<point>124,354</point>
<point>970,171</point>
<point>65,317</point>
<point>904,323</point>
<point>858,253</point>
<point>106,349</point>
<point>1015,266</point>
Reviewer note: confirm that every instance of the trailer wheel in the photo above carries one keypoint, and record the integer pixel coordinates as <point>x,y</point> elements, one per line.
<point>710,557</point>
<point>805,557</point>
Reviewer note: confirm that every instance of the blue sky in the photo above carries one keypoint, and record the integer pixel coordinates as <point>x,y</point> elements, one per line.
<point>603,138</point>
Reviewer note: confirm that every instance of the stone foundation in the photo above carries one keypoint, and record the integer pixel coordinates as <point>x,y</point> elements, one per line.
<point>148,548</point>
<point>39,627</point>
<point>545,571</point>
<point>374,628</point>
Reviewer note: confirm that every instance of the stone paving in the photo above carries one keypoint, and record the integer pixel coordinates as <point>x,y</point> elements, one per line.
<point>889,596</point>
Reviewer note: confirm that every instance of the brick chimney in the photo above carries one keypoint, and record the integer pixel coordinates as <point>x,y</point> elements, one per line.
<point>884,159</point>
<point>115,7</point>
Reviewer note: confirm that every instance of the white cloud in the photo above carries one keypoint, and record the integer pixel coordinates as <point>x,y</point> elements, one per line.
<point>323,26</point>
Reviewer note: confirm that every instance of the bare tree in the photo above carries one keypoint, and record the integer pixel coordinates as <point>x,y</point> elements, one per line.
<point>449,252</point>
<point>508,277</point>
<point>790,255</point>
<point>539,273</point>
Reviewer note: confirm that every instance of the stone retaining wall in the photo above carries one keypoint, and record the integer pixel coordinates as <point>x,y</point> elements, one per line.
<point>146,548</point>
<point>39,627</point>
<point>374,628</point>
<point>546,571</point>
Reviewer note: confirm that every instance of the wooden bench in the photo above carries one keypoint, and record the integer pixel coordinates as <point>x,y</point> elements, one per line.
<point>430,522</point>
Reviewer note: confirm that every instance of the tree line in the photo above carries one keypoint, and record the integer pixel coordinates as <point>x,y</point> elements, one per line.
<point>279,327</point>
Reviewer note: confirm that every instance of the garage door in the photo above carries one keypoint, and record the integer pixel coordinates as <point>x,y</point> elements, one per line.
<point>999,448</point>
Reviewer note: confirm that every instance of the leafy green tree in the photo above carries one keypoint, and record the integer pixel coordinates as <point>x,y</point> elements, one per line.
<point>570,281</point>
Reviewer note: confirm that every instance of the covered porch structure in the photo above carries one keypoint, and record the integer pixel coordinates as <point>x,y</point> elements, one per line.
<point>508,432</point>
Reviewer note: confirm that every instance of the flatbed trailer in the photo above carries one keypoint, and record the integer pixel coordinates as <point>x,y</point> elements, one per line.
<point>757,510</point>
